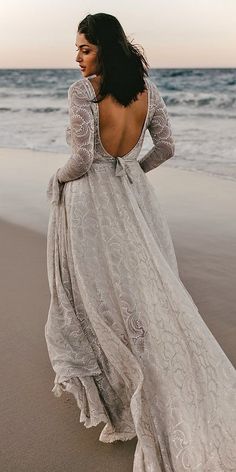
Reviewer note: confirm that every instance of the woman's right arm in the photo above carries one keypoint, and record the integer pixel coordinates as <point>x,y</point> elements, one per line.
<point>80,136</point>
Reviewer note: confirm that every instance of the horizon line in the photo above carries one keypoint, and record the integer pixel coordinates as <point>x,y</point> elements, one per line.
<point>150,68</point>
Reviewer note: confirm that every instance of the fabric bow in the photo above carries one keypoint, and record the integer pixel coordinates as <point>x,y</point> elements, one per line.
<point>122,169</point>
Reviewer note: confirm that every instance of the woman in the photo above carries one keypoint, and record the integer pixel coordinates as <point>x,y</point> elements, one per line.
<point>123,334</point>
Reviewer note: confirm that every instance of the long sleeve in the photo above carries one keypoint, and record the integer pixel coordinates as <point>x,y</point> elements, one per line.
<point>80,136</point>
<point>161,134</point>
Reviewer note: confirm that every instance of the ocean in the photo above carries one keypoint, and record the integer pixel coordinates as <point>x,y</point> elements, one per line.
<point>201,104</point>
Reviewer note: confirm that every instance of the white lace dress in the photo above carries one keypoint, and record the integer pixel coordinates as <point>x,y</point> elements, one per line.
<point>123,334</point>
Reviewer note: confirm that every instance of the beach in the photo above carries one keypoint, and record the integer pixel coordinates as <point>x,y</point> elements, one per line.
<point>40,432</point>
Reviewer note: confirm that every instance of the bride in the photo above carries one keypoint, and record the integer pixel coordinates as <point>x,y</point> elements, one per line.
<point>124,336</point>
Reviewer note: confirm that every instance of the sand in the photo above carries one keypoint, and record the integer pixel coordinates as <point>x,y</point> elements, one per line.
<point>40,432</point>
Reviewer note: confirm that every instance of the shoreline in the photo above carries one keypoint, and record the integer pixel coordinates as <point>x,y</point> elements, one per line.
<point>167,164</point>
<point>24,176</point>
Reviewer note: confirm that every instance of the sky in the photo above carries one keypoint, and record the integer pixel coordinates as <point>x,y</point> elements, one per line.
<point>177,33</point>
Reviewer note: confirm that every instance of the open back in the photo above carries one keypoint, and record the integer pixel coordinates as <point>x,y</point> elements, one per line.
<point>120,127</point>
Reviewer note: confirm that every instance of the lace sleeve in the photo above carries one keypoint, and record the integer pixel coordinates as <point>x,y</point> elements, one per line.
<point>161,134</point>
<point>80,134</point>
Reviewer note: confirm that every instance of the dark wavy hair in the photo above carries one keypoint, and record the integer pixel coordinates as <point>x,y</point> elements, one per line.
<point>121,64</point>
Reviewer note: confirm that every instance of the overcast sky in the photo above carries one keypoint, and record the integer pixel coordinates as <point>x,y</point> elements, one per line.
<point>177,33</point>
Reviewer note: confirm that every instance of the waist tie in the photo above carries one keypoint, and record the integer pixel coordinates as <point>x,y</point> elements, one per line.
<point>122,169</point>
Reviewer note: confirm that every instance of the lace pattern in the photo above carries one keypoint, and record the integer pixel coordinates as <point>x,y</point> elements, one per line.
<point>161,133</point>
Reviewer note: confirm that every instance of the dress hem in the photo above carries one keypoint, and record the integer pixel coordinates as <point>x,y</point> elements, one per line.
<point>107,435</point>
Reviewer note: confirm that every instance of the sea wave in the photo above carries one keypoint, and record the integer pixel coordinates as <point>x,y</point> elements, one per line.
<point>201,100</point>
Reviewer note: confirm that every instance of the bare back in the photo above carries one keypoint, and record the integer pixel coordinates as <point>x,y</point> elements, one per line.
<point>120,127</point>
